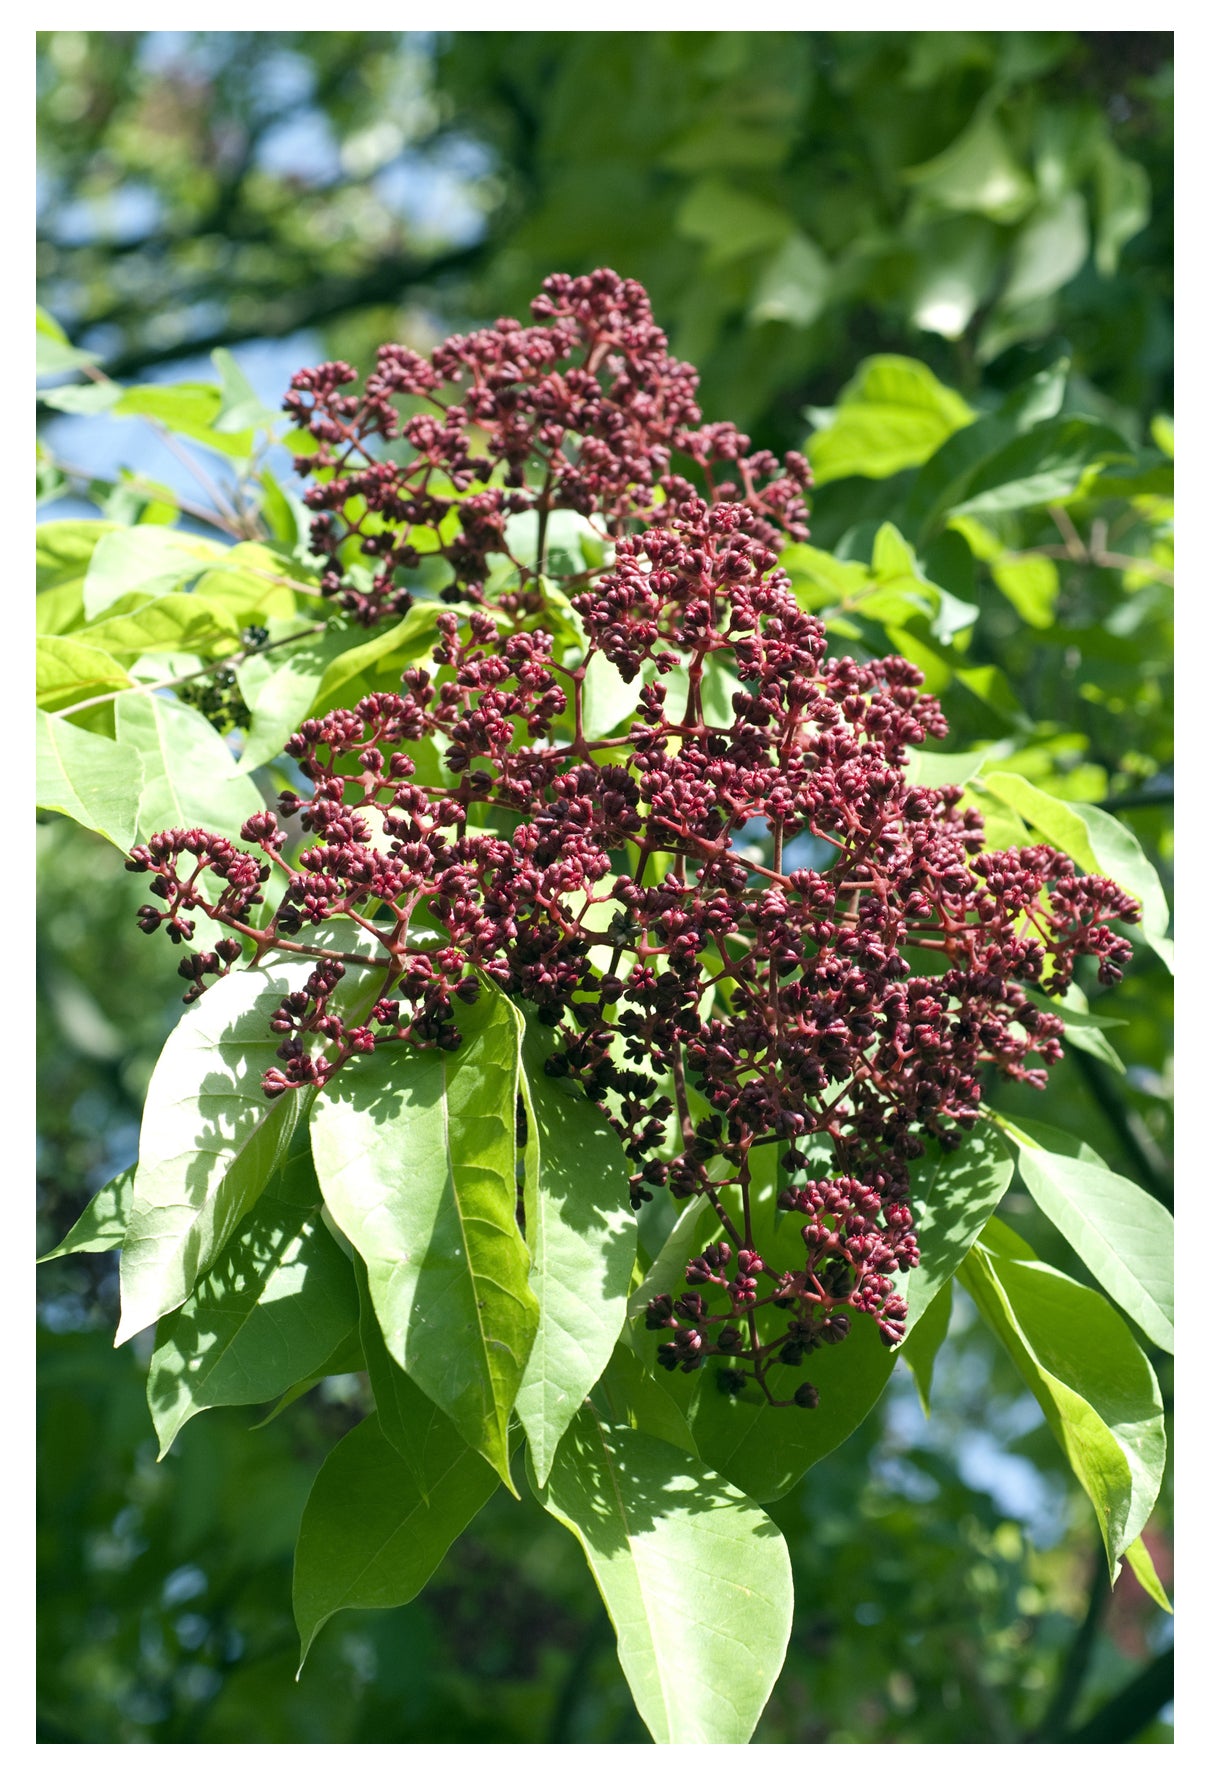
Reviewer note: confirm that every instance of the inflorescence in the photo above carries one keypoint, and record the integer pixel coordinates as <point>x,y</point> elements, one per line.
<point>643,890</point>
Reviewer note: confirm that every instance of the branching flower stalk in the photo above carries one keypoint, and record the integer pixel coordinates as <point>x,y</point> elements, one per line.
<point>804,1020</point>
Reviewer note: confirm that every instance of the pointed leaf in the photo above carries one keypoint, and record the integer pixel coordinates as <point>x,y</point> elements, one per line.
<point>347,1358</point>
<point>92,780</point>
<point>416,1153</point>
<point>580,1229</point>
<point>1143,1567</point>
<point>102,1226</point>
<point>369,1539</point>
<point>1087,1373</point>
<point>929,1332</point>
<point>279,1299</point>
<point>210,1138</point>
<point>696,1579</point>
<point>1124,1235</point>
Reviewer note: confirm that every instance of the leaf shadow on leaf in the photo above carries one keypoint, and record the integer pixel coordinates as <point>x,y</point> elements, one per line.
<point>272,1308</point>
<point>615,1470</point>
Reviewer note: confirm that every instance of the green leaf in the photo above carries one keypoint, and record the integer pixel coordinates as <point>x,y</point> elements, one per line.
<point>48,327</point>
<point>416,1153</point>
<point>400,1404</point>
<point>728,222</point>
<point>404,644</point>
<point>1140,1563</point>
<point>892,415</point>
<point>249,581</point>
<point>938,770</point>
<point>1124,1236</point>
<point>581,1231</point>
<point>241,408</point>
<point>347,1358</point>
<point>1031,585</point>
<point>176,623</point>
<point>794,284</point>
<point>64,547</point>
<point>1123,204</point>
<point>766,1450</point>
<point>1092,1381</point>
<point>928,1334</point>
<point>54,356</point>
<point>695,1578</point>
<point>147,558</point>
<point>280,689</point>
<point>189,775</point>
<point>279,1299</point>
<point>1045,464</point>
<point>1098,843</point>
<point>189,409</point>
<point>93,780</point>
<point>953,1198</point>
<point>608,701</point>
<point>211,1139</point>
<point>1080,1029</point>
<point>69,671</point>
<point>635,1397</point>
<point>102,1226</point>
<point>978,174</point>
<point>370,1538</point>
<point>88,397</point>
<point>1048,251</point>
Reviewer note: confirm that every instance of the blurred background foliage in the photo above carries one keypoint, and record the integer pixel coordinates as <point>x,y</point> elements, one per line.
<point>996,207</point>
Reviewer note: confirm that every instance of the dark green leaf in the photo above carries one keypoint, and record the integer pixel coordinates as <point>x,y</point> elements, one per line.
<point>928,1334</point>
<point>370,1538</point>
<point>953,1198</point>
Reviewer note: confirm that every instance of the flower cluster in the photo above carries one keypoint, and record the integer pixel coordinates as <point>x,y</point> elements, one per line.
<point>777,967</point>
<point>581,412</point>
